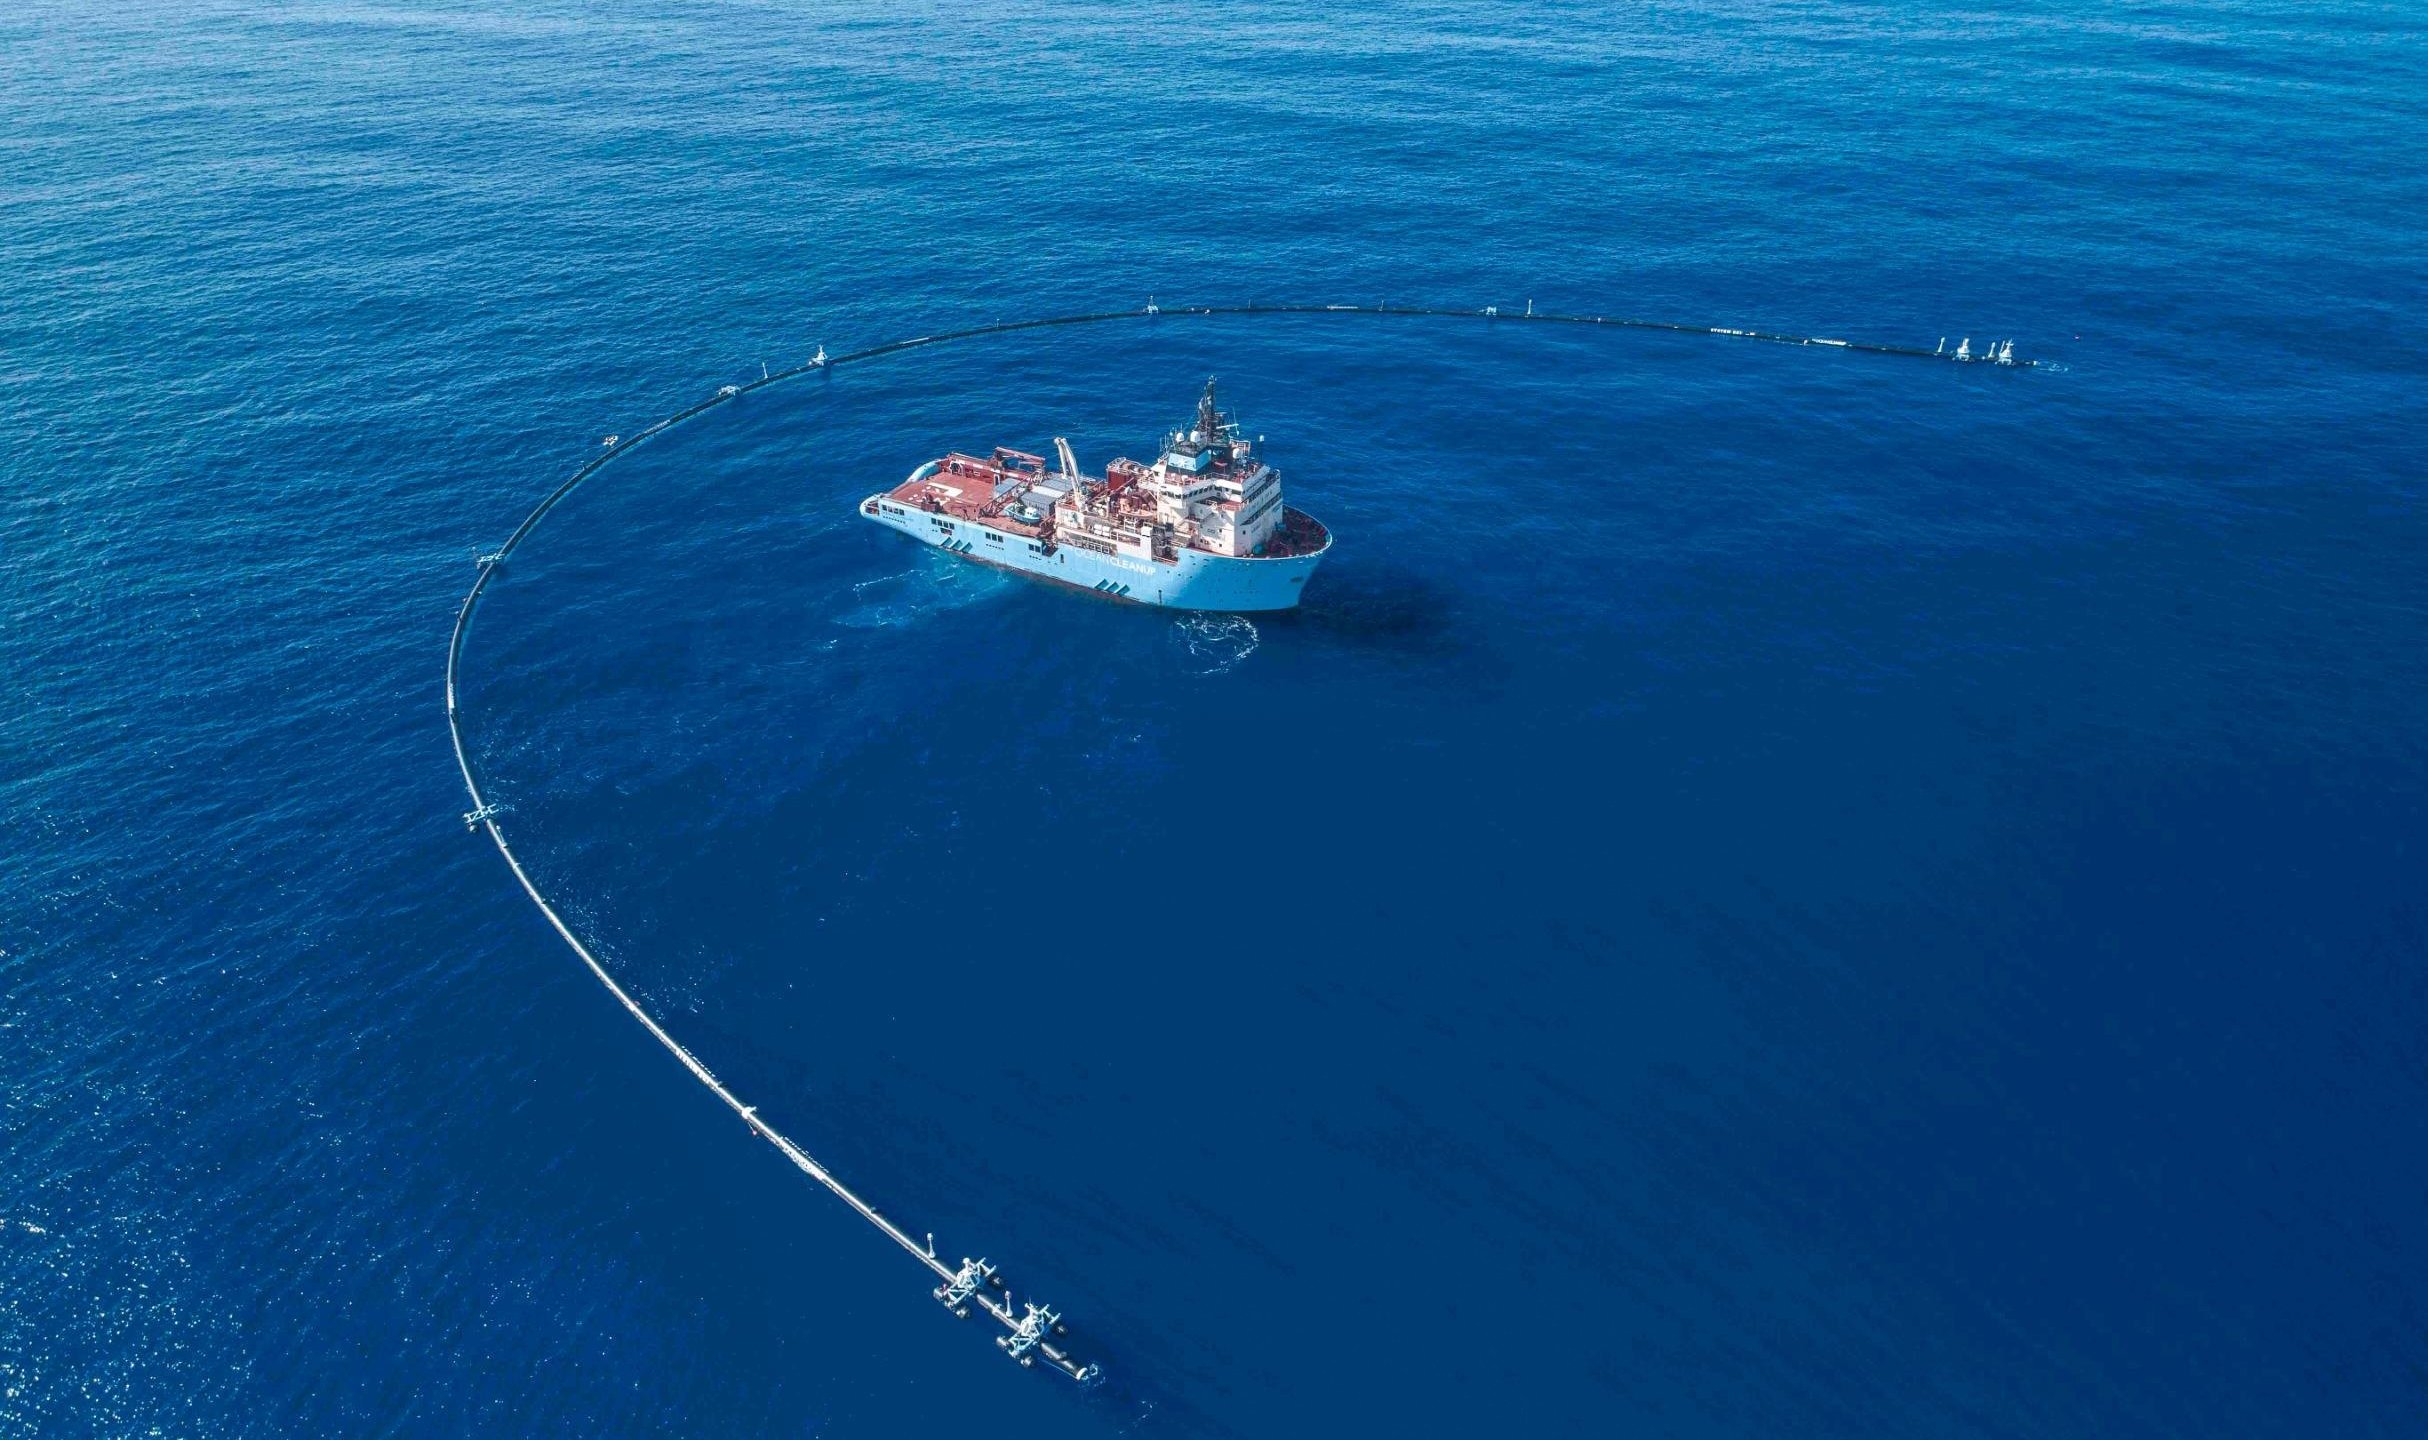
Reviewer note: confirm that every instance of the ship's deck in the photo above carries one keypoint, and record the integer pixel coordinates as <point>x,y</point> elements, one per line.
<point>963,487</point>
<point>1299,533</point>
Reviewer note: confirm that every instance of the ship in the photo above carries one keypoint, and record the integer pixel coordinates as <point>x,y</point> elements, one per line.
<point>1203,528</point>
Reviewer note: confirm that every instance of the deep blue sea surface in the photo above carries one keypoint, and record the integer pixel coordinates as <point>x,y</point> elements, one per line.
<point>1767,891</point>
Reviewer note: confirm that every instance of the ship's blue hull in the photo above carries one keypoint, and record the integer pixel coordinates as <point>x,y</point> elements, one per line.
<point>1194,581</point>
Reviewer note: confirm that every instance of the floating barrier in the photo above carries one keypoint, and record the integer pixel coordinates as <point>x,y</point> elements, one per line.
<point>972,1282</point>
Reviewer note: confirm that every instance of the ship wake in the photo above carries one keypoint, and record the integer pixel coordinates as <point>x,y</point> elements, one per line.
<point>892,601</point>
<point>1215,644</point>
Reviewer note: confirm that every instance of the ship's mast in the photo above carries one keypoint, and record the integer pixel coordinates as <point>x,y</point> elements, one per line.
<point>1209,419</point>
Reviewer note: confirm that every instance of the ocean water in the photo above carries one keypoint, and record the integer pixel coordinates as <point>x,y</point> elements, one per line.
<point>1766,891</point>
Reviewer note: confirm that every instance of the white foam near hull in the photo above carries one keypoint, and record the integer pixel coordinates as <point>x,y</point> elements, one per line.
<point>1193,581</point>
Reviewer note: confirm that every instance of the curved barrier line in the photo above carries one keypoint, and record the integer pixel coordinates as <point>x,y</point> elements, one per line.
<point>484,813</point>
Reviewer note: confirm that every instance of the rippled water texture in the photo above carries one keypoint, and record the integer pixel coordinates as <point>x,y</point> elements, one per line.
<point>1765,891</point>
